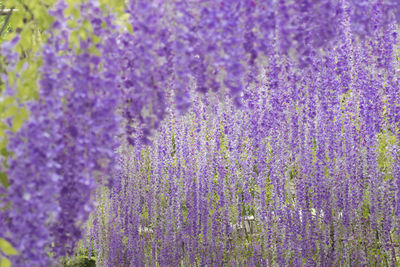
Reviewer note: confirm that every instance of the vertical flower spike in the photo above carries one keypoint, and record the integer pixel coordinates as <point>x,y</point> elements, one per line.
<point>65,148</point>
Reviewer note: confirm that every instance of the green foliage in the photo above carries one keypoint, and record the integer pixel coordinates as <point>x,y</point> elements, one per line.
<point>81,257</point>
<point>4,180</point>
<point>81,261</point>
<point>8,250</point>
<point>4,262</point>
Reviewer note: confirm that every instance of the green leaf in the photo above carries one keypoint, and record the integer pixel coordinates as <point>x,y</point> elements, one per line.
<point>4,180</point>
<point>11,111</point>
<point>3,151</point>
<point>74,39</point>
<point>42,16</point>
<point>7,248</point>
<point>5,262</point>
<point>72,24</point>
<point>19,119</point>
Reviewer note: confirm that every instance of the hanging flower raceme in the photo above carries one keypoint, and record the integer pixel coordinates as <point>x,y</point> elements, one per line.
<point>145,69</point>
<point>67,146</point>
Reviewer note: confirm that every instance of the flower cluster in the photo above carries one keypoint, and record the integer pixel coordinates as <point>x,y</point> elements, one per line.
<point>66,147</point>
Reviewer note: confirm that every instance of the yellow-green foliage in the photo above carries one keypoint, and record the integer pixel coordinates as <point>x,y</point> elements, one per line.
<point>8,250</point>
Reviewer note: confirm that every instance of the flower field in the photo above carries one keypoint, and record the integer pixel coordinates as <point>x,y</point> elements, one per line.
<point>199,133</point>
